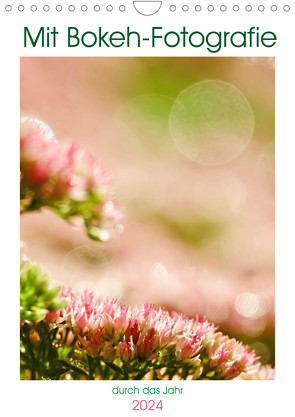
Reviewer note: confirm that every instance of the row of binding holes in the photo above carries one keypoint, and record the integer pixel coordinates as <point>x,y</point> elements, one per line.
<point>236,8</point>
<point>59,8</point>
<point>172,8</point>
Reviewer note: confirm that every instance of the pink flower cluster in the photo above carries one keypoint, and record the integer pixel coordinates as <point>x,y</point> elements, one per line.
<point>111,331</point>
<point>264,372</point>
<point>64,178</point>
<point>230,356</point>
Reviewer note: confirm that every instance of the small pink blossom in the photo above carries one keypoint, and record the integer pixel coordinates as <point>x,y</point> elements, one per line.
<point>187,346</point>
<point>125,350</point>
<point>262,372</point>
<point>146,344</point>
<point>132,332</point>
<point>81,322</point>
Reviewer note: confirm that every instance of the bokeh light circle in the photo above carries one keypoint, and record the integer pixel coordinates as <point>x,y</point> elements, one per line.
<point>83,261</point>
<point>263,351</point>
<point>146,118</point>
<point>251,305</point>
<point>211,122</point>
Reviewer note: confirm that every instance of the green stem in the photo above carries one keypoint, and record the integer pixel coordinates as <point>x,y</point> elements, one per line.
<point>100,370</point>
<point>91,367</point>
<point>66,335</point>
<point>125,371</point>
<point>35,367</point>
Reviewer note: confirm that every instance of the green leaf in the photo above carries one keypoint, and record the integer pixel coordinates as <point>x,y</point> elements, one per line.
<point>57,304</point>
<point>38,314</point>
<point>41,284</point>
<point>77,367</point>
<point>54,372</point>
<point>51,293</point>
<point>114,367</point>
<point>32,316</point>
<point>93,233</point>
<point>63,352</point>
